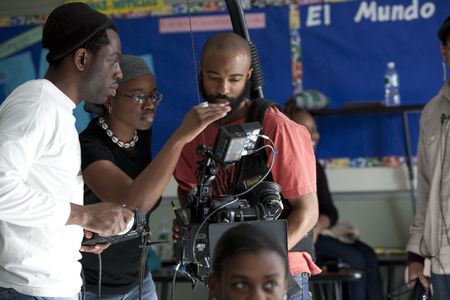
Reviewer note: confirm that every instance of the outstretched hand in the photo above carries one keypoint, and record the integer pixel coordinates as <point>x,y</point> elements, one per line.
<point>200,116</point>
<point>107,219</point>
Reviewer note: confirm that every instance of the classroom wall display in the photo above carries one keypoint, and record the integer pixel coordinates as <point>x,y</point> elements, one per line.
<point>172,50</point>
<point>337,47</point>
<point>345,49</point>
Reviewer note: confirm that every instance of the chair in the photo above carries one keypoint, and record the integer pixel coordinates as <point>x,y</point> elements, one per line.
<point>333,280</point>
<point>391,261</point>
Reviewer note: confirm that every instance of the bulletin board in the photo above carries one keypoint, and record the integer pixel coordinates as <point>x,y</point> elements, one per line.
<point>345,46</point>
<point>171,50</point>
<point>345,49</point>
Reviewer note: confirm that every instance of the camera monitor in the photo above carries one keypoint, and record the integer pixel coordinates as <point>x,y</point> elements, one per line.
<point>234,141</point>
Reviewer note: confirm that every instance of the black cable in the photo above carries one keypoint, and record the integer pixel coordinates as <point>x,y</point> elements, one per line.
<point>83,280</point>
<point>142,264</point>
<point>174,280</point>
<point>274,154</point>
<point>99,290</point>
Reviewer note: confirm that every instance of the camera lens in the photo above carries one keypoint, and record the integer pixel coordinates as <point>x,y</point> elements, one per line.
<point>268,194</point>
<point>267,190</point>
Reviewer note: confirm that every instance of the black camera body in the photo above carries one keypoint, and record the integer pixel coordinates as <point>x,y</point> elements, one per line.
<point>139,229</point>
<point>192,249</point>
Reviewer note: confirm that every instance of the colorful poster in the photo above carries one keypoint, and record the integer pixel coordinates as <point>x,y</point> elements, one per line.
<point>112,7</point>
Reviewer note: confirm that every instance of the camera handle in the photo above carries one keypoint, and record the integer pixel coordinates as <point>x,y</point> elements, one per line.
<point>206,175</point>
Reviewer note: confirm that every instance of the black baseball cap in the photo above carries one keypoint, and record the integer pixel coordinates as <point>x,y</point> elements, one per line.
<point>69,26</point>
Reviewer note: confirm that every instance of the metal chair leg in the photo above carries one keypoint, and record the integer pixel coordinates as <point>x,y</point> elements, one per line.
<point>338,290</point>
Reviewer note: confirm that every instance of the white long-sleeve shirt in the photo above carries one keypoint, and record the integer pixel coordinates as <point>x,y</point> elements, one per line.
<point>39,177</point>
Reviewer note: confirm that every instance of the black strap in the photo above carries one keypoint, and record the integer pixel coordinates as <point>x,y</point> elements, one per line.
<point>258,109</point>
<point>251,167</point>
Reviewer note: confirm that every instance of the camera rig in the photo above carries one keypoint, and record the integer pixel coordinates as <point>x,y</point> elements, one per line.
<point>139,229</point>
<point>192,249</point>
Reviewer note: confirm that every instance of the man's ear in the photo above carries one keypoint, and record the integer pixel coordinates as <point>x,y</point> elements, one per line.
<point>249,73</point>
<point>80,58</point>
<point>442,50</point>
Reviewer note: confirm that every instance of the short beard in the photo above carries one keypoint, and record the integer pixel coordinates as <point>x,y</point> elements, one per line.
<point>235,102</point>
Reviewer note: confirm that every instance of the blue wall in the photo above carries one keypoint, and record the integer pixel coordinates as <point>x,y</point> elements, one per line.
<point>345,48</point>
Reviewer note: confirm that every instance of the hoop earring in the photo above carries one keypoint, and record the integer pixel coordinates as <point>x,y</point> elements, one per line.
<point>444,71</point>
<point>109,109</point>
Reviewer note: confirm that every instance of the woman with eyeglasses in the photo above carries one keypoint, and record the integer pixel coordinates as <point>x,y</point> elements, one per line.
<point>117,167</point>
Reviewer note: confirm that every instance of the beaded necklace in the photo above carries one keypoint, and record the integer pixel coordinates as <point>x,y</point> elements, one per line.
<point>114,138</point>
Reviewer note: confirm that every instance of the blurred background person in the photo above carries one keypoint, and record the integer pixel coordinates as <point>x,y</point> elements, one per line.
<point>429,233</point>
<point>329,235</point>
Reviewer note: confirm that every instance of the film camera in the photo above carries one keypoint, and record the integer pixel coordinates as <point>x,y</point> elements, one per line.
<point>192,249</point>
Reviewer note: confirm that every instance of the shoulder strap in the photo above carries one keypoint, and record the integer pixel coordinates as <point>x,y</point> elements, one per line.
<point>258,109</point>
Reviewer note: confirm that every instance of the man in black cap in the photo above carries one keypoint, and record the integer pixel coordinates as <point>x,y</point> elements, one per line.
<point>41,188</point>
<point>429,232</point>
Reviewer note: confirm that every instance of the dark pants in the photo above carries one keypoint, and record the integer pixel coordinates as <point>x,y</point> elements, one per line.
<point>441,286</point>
<point>303,282</point>
<point>357,256</point>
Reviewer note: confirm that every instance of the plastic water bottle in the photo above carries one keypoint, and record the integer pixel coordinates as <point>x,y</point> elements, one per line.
<point>391,86</point>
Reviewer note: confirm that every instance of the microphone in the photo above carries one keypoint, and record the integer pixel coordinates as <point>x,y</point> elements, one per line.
<point>444,117</point>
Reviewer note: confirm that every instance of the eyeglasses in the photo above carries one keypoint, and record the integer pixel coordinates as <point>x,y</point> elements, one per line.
<point>139,98</point>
